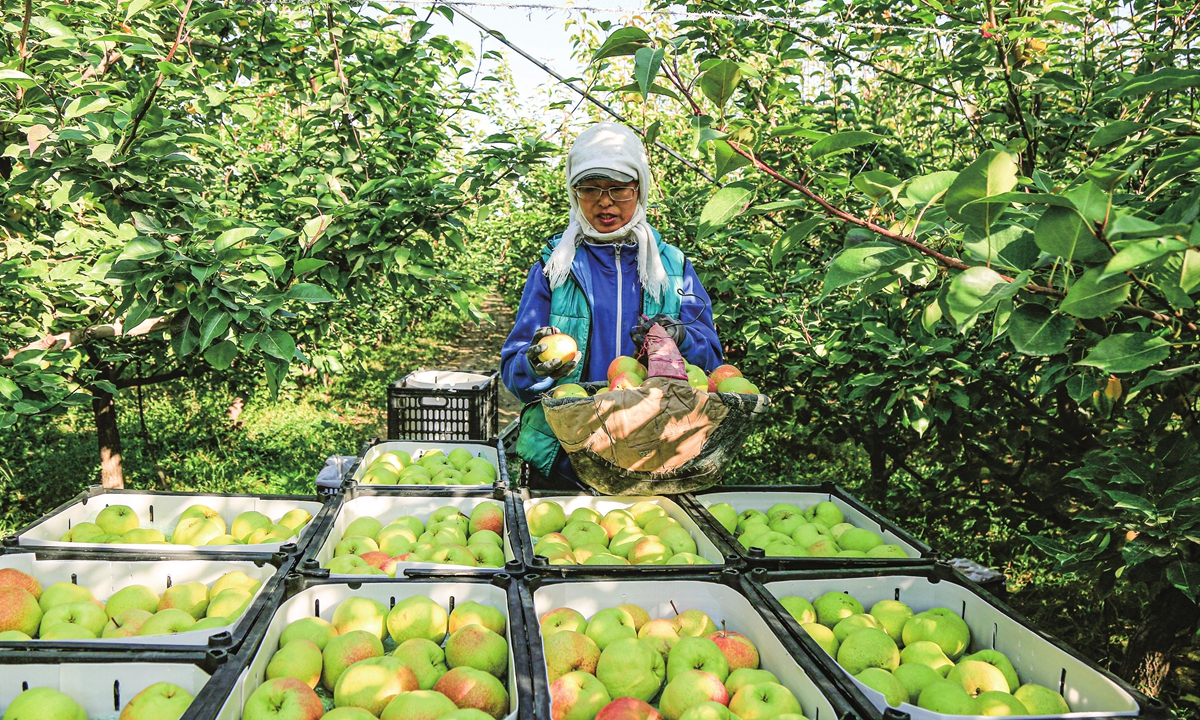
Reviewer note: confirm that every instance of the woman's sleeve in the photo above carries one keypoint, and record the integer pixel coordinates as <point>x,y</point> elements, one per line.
<point>702,347</point>
<point>533,313</point>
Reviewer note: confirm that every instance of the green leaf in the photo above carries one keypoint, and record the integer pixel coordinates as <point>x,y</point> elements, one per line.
<point>1065,233</point>
<point>861,262</point>
<point>1127,352</point>
<point>646,63</point>
<point>976,290</point>
<point>1113,132</point>
<point>232,237</point>
<point>1009,245</point>
<point>16,77</point>
<point>841,141</point>
<point>793,237</point>
<point>1154,377</point>
<point>278,344</point>
<point>308,293</point>
<point>877,184</point>
<point>84,105</point>
<point>992,173</point>
<point>726,159</point>
<point>276,373</point>
<point>728,202</point>
<point>1092,297</point>
<point>720,81</point>
<point>103,152</point>
<point>141,249</point>
<point>1025,198</point>
<point>1035,330</point>
<point>1189,276</point>
<point>303,266</point>
<point>9,390</point>
<point>1131,227</point>
<point>216,322</point>
<point>1185,576</point>
<point>222,354</point>
<point>626,41</point>
<point>924,189</point>
<point>1140,253</point>
<point>1165,79</point>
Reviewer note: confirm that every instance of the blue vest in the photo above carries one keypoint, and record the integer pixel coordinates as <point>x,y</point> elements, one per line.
<point>571,312</point>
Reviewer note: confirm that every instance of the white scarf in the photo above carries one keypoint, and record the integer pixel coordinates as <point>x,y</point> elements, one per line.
<point>609,146</point>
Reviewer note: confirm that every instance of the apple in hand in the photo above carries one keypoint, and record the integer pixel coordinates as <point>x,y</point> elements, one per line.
<point>160,701</point>
<point>559,346</point>
<point>283,699</point>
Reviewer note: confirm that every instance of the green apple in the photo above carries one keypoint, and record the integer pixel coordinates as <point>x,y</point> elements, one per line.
<point>125,623</point>
<point>563,619</point>
<point>204,513</point>
<point>887,551</point>
<point>344,650</point>
<point>678,540</point>
<point>747,517</point>
<point>401,527</point>
<point>191,597</point>
<point>624,540</point>
<point>568,651</point>
<point>481,466</point>
<point>785,548</point>
<point>697,653</point>
<point>858,621</point>
<point>170,621</point>
<point>615,520</point>
<point>372,683</point>
<point>631,668</point>
<point>747,676</point>
<point>915,677</point>
<point>638,613</point>
<point>354,545</point>
<point>224,540</point>
<point>61,593</point>
<point>586,551</point>
<point>141,536</point>
<point>689,689</point>
<point>584,514</point>
<point>695,623</point>
<point>313,629</point>
<point>43,703</point>
<point>360,613</point>
<point>471,612</point>
<point>738,650</point>
<point>825,547</point>
<point>132,596</point>
<point>806,535</point>
<point>832,607</point>
<point>195,531</point>
<point>604,559</point>
<point>117,519</point>
<point>477,647</point>
<point>977,677</point>
<point>866,648</point>
<point>459,457</point>
<point>859,539</point>
<point>1001,662</point>
<point>14,636</point>
<point>826,513</point>
<point>67,631</point>
<point>363,527</point>
<point>654,527</point>
<point>248,522</point>
<point>1041,700</point>
<point>710,710</point>
<point>645,511</point>
<point>688,559</point>
<point>763,700</point>
<point>545,517</point>
<point>823,636</point>
<point>610,625</point>
<point>87,614</point>
<point>948,697</point>
<point>160,701</point>
<point>884,682</point>
<point>350,713</point>
<point>344,564</point>
<point>799,608</point>
<point>892,614</point>
<point>229,603</point>
<point>487,516</point>
<point>996,704</point>
<point>453,555</point>
<point>724,514</point>
<point>83,532</point>
<point>928,653</point>
<point>211,622</point>
<point>471,688</point>
<point>574,696</point>
<point>283,698</point>
<point>418,705</point>
<point>649,550</point>
<point>235,579</point>
<point>425,658</point>
<point>584,532</point>
<point>942,626</point>
<point>295,519</point>
<point>417,617</point>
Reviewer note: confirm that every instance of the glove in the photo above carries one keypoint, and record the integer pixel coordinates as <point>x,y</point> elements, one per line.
<point>554,368</point>
<point>675,329</point>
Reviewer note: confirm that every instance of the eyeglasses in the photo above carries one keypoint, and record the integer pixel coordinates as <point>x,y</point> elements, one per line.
<point>588,193</point>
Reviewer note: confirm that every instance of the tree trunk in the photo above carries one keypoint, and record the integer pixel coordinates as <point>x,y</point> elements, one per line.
<point>1167,625</point>
<point>108,436</point>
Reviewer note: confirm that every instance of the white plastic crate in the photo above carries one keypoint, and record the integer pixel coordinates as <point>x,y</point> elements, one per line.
<point>604,504</point>
<point>161,512</point>
<point>1088,692</point>
<point>103,689</point>
<point>763,501</point>
<point>386,508</point>
<point>662,598</point>
<point>322,600</point>
<point>104,577</point>
<point>416,449</point>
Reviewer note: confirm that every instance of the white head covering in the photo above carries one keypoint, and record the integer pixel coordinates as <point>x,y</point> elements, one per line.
<point>614,148</point>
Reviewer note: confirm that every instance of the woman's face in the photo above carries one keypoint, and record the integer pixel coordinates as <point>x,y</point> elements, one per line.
<point>605,214</point>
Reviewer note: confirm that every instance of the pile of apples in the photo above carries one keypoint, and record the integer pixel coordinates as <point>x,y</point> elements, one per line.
<point>643,534</point>
<point>65,611</point>
<point>820,530</point>
<point>431,467</point>
<point>368,547</point>
<point>197,525</point>
<point>613,665</point>
<point>391,665</point>
<point>626,372</point>
<point>932,670</point>
<point>160,701</point>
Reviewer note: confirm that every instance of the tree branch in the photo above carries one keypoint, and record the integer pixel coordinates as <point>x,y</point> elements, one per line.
<point>22,51</point>
<point>82,336</point>
<point>137,119</point>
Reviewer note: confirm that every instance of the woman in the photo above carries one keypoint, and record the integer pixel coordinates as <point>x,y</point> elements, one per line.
<point>603,281</point>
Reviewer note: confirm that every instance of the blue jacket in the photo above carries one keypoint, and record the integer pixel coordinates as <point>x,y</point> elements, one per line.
<point>610,334</point>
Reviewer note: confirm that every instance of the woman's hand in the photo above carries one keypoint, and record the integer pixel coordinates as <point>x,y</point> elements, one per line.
<point>675,329</point>
<point>554,368</point>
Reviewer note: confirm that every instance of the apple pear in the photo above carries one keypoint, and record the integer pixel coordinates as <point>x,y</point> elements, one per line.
<point>43,703</point>
<point>160,701</point>
<point>884,682</point>
<point>574,696</point>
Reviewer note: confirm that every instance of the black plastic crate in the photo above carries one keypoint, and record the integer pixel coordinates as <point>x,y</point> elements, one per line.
<point>77,568</point>
<point>715,551</point>
<point>1037,656</point>
<point>307,596</point>
<point>416,413</point>
<point>103,683</point>
<point>723,595</point>
<point>761,497</point>
<point>374,447</point>
<point>392,502</point>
